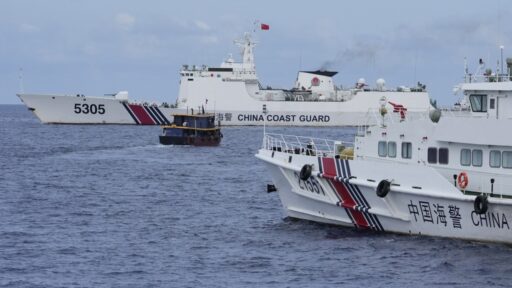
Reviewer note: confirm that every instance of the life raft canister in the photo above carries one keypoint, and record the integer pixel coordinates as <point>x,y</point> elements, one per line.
<point>383,188</point>
<point>463,180</point>
<point>305,172</point>
<point>480,204</point>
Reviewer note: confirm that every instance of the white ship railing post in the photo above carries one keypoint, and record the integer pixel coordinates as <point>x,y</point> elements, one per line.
<point>264,111</point>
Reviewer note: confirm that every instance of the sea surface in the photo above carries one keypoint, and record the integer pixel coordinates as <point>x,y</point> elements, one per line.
<point>107,206</point>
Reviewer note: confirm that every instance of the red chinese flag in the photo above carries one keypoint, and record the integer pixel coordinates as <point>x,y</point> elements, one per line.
<point>265,26</point>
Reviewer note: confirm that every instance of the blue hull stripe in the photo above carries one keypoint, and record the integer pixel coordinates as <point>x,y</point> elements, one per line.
<point>159,112</point>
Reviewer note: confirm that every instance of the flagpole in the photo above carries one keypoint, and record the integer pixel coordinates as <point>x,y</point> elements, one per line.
<point>255,25</point>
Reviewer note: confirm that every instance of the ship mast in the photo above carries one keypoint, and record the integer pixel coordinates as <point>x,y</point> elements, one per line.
<point>246,50</point>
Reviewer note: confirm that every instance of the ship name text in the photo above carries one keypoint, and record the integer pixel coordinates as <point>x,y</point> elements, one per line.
<point>490,219</point>
<point>283,118</point>
<point>440,214</point>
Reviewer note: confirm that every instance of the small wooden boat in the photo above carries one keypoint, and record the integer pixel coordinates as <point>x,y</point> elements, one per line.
<point>192,129</point>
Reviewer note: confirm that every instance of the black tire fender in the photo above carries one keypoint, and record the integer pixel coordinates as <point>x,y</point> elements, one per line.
<point>305,172</point>
<point>480,204</point>
<point>383,188</point>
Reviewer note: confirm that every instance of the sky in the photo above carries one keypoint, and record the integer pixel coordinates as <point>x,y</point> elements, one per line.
<point>97,47</point>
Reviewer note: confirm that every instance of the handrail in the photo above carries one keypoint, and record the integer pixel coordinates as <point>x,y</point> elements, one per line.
<point>303,145</point>
<point>470,78</point>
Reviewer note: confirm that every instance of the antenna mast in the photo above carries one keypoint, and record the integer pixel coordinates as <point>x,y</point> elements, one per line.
<point>501,49</point>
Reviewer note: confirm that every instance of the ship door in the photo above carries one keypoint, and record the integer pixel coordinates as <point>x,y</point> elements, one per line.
<point>502,103</point>
<point>493,107</point>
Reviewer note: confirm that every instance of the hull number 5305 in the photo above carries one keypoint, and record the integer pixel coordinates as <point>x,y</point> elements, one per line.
<point>84,108</point>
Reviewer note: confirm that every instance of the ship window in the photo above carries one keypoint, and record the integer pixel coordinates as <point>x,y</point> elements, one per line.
<point>406,150</point>
<point>478,103</point>
<point>432,155</point>
<point>492,103</point>
<point>506,159</point>
<point>443,155</point>
<point>178,121</point>
<point>174,132</point>
<point>465,157</point>
<point>392,149</point>
<point>476,158</point>
<point>495,159</point>
<point>383,148</point>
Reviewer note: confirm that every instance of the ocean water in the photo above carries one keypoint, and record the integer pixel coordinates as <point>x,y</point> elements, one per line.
<point>107,206</point>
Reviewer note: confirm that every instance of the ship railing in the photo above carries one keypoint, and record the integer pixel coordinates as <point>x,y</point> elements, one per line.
<point>470,78</point>
<point>375,117</point>
<point>454,112</point>
<point>304,145</point>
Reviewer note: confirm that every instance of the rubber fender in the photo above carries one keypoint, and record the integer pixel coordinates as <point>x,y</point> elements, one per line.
<point>481,204</point>
<point>383,188</point>
<point>305,172</point>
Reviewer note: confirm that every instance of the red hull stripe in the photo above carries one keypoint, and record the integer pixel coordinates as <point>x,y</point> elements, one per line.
<point>150,114</point>
<point>131,113</point>
<point>328,166</point>
<point>153,115</point>
<point>340,202</point>
<point>371,220</point>
<point>348,202</point>
<point>337,173</point>
<point>141,114</point>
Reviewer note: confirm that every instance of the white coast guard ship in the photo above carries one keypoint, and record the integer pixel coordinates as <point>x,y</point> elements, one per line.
<point>448,177</point>
<point>234,93</point>
<point>81,109</point>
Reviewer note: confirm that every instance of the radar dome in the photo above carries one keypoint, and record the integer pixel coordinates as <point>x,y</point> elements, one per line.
<point>381,84</point>
<point>360,83</point>
<point>122,95</point>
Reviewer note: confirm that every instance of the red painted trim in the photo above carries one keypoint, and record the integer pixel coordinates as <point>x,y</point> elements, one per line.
<point>345,196</point>
<point>142,115</point>
<point>329,166</point>
<point>349,203</point>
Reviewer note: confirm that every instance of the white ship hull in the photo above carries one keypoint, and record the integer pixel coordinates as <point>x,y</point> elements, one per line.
<point>62,109</point>
<point>424,203</point>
